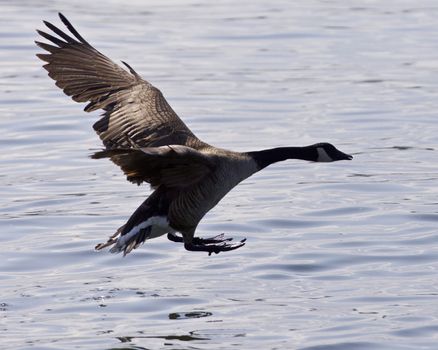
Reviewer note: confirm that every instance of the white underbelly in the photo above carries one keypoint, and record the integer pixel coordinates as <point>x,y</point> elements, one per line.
<point>157,226</point>
<point>159,230</point>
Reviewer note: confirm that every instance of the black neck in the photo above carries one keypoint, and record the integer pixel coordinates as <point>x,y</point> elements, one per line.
<point>269,156</point>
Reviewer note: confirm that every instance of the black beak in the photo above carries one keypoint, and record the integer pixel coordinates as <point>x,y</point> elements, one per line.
<point>343,156</point>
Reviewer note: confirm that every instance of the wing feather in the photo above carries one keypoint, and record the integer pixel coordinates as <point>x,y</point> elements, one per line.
<point>174,166</point>
<point>135,112</point>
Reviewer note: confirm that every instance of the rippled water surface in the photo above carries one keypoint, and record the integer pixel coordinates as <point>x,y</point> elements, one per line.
<point>339,256</point>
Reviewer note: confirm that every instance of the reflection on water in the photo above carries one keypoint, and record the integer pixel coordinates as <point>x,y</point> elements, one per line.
<point>184,315</point>
<point>339,256</point>
<point>189,337</point>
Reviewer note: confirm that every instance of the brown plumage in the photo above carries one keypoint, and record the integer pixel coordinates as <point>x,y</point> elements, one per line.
<point>145,137</point>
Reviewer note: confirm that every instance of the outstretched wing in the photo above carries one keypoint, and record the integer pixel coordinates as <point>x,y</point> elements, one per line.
<point>174,166</point>
<point>136,113</point>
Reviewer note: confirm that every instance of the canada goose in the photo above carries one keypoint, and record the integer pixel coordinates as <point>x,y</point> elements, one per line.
<point>150,143</point>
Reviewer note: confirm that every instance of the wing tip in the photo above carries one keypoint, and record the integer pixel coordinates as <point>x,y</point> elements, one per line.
<point>64,19</point>
<point>72,29</point>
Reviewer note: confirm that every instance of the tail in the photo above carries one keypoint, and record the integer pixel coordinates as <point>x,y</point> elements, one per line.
<point>126,241</point>
<point>113,239</point>
<point>152,212</point>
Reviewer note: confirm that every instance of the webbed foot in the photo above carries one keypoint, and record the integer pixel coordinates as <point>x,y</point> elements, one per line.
<point>200,241</point>
<point>216,248</point>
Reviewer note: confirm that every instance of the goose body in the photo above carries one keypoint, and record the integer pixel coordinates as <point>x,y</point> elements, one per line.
<point>150,143</point>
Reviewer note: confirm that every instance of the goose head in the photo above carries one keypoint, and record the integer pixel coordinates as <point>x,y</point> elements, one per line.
<point>326,152</point>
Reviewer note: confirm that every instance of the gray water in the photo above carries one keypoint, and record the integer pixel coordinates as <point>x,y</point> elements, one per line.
<point>339,256</point>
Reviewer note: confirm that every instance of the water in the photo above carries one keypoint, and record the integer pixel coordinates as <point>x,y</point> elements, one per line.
<point>339,256</point>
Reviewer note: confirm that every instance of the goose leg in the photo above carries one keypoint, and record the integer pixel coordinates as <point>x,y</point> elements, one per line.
<point>174,238</point>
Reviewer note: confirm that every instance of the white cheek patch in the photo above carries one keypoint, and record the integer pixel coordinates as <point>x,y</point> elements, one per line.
<point>323,156</point>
